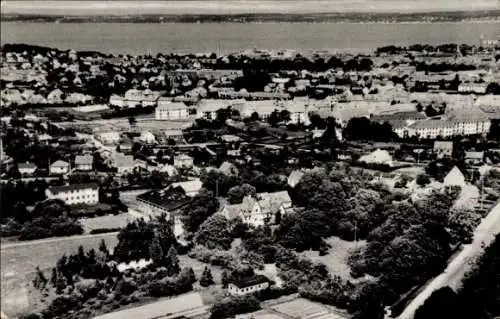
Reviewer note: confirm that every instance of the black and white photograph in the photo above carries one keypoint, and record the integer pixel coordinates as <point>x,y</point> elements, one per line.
<point>250,159</point>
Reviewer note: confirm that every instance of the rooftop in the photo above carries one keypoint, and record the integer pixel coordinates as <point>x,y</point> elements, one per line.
<point>250,281</point>
<point>69,188</point>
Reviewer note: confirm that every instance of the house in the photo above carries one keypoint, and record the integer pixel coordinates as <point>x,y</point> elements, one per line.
<point>167,110</point>
<point>228,169</point>
<point>75,194</point>
<point>443,149</point>
<point>108,138</point>
<point>190,188</point>
<point>84,162</point>
<point>147,137</point>
<point>26,169</point>
<point>474,158</point>
<point>183,160</point>
<point>59,167</point>
<point>248,285</point>
<point>454,178</point>
<point>124,164</point>
<point>294,178</point>
<point>377,157</point>
<point>165,201</point>
<point>261,209</point>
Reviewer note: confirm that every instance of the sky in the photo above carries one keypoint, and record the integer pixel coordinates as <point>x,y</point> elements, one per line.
<point>120,7</point>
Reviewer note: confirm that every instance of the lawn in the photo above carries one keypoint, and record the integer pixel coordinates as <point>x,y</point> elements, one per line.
<point>20,259</point>
<point>336,259</point>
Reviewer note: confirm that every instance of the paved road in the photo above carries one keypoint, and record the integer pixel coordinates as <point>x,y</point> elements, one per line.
<point>452,276</point>
<point>51,240</point>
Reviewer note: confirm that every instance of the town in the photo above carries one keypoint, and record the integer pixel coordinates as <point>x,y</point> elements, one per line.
<point>258,184</point>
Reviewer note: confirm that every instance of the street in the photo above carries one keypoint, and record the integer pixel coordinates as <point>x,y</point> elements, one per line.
<point>453,275</point>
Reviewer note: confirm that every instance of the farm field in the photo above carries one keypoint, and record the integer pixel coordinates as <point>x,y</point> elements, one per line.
<point>336,259</point>
<point>303,308</point>
<point>19,260</point>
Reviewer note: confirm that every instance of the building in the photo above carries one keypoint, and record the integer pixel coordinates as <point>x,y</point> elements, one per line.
<point>109,138</point>
<point>248,285</point>
<point>261,209</point>
<point>190,188</point>
<point>26,169</point>
<point>165,201</point>
<point>477,88</point>
<point>87,194</point>
<point>443,149</point>
<point>84,162</point>
<point>116,101</point>
<point>454,178</point>
<point>183,160</point>
<point>445,128</point>
<point>167,110</point>
<point>59,167</point>
<point>124,164</point>
<point>474,158</point>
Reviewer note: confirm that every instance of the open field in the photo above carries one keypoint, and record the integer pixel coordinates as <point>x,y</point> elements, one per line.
<point>20,259</point>
<point>336,259</point>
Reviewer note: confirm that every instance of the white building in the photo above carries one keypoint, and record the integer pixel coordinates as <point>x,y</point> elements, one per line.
<point>59,167</point>
<point>260,210</point>
<point>115,100</point>
<point>444,128</point>
<point>75,194</point>
<point>84,162</point>
<point>454,178</point>
<point>108,137</point>
<point>26,169</point>
<point>248,285</point>
<point>183,160</point>
<point>190,188</point>
<point>167,110</point>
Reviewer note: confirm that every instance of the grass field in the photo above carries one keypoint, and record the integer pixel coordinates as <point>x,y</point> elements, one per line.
<point>336,259</point>
<point>19,260</point>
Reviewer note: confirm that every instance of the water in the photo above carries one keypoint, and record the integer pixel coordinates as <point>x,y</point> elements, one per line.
<point>129,38</point>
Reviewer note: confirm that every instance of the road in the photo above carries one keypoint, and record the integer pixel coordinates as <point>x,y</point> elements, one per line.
<point>453,275</point>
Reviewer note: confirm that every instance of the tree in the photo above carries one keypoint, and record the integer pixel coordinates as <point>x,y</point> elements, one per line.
<point>132,121</point>
<point>103,248</point>
<point>225,279</point>
<point>206,278</point>
<point>461,225</point>
<point>237,193</point>
<point>61,283</point>
<point>156,252</point>
<point>53,277</point>
<point>21,214</point>
<point>189,273</point>
<point>200,207</point>
<point>214,233</point>
<point>442,302</point>
<point>423,179</point>
<point>273,119</point>
<point>172,262</point>
<point>40,282</point>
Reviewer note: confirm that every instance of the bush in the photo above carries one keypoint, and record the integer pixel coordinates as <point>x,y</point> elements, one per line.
<point>104,230</point>
<point>232,306</point>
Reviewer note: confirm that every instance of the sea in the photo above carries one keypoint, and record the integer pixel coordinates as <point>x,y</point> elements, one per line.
<point>142,38</point>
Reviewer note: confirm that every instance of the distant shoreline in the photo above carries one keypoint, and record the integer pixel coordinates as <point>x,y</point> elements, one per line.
<point>349,17</point>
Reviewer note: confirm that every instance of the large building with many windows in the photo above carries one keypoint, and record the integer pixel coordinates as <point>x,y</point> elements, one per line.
<point>75,194</point>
